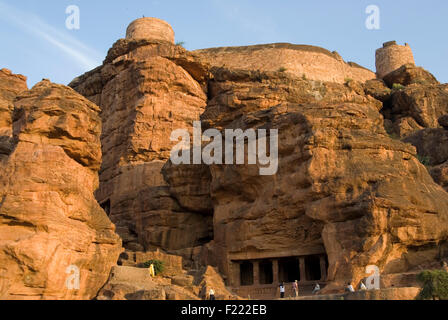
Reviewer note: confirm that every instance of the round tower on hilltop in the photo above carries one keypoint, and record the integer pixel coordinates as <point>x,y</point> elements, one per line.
<point>150,28</point>
<point>391,57</point>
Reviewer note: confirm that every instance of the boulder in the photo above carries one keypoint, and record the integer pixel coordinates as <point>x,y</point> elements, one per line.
<point>410,74</point>
<point>377,89</point>
<point>146,89</point>
<point>130,283</point>
<point>424,103</point>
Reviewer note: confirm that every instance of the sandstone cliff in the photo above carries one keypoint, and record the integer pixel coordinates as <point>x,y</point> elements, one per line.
<point>344,187</point>
<point>146,89</point>
<point>50,223</point>
<point>354,183</point>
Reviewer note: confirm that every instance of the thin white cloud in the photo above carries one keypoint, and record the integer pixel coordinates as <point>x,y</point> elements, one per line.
<point>86,57</point>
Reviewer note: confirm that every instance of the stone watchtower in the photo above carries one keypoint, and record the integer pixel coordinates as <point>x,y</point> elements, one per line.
<point>391,57</point>
<point>150,28</point>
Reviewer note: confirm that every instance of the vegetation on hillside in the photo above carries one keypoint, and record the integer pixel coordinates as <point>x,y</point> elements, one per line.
<point>435,285</point>
<point>159,266</point>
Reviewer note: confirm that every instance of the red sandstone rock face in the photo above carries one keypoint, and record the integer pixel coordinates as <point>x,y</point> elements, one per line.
<point>344,187</point>
<point>10,86</point>
<point>432,148</point>
<point>415,107</point>
<point>147,89</point>
<point>410,74</point>
<point>49,218</point>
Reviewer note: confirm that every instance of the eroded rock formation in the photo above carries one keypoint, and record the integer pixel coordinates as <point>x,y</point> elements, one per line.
<point>348,190</point>
<point>51,226</point>
<point>10,86</point>
<point>146,89</point>
<point>344,187</point>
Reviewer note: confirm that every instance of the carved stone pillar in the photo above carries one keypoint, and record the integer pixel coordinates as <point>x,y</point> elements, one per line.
<point>302,269</point>
<point>275,271</point>
<point>323,269</point>
<point>236,274</point>
<point>256,265</point>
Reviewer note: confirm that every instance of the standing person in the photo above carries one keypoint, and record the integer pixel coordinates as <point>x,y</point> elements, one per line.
<point>295,288</point>
<point>350,288</point>
<point>362,286</point>
<point>282,290</point>
<point>212,295</point>
<point>152,271</point>
<point>316,289</point>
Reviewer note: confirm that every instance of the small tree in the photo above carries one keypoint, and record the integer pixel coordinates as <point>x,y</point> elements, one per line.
<point>159,266</point>
<point>435,285</point>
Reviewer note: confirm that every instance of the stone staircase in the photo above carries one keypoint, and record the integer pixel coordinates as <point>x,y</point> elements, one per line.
<point>130,281</point>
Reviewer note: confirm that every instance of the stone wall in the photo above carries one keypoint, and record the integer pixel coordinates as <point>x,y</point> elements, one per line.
<point>150,28</point>
<point>312,63</point>
<point>391,57</point>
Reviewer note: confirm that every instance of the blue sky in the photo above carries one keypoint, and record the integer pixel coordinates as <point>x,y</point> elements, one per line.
<point>36,42</point>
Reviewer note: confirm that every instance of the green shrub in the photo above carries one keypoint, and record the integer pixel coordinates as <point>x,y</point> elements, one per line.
<point>180,43</point>
<point>425,160</point>
<point>282,69</point>
<point>159,266</point>
<point>398,86</point>
<point>348,80</point>
<point>435,285</point>
<point>304,77</point>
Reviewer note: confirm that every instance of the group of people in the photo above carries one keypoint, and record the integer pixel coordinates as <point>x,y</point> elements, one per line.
<point>295,289</point>
<point>316,290</point>
<point>351,289</point>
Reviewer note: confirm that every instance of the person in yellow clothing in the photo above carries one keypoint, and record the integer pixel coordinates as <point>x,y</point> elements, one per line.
<point>152,272</point>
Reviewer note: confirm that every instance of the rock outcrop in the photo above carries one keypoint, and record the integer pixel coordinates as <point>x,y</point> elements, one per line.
<point>432,148</point>
<point>344,187</point>
<point>146,89</point>
<point>51,227</point>
<point>10,86</point>
<point>348,191</point>
<point>131,281</point>
<point>416,107</point>
<point>410,74</point>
